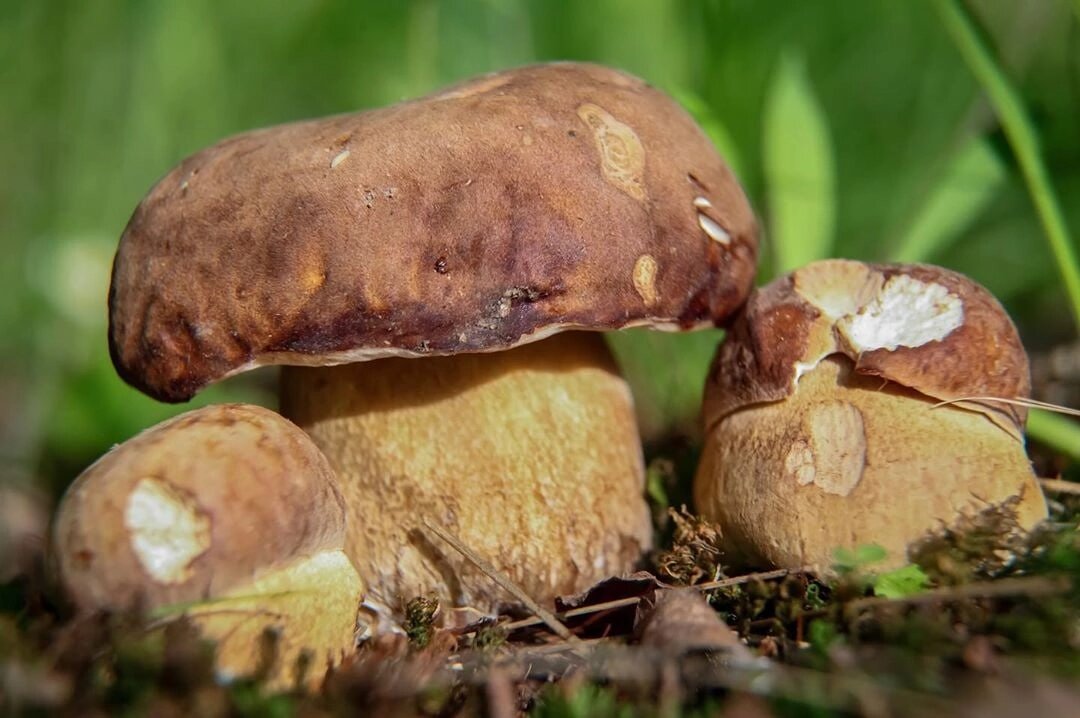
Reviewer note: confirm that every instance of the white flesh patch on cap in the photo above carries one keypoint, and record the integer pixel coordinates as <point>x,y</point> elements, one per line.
<point>622,156</point>
<point>905,313</point>
<point>168,531</point>
<point>802,368</point>
<point>714,230</point>
<point>645,279</point>
<point>702,203</point>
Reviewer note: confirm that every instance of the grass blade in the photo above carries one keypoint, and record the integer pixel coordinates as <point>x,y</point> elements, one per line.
<point>1055,431</point>
<point>1022,138</point>
<point>718,133</point>
<point>970,181</point>
<point>799,171</point>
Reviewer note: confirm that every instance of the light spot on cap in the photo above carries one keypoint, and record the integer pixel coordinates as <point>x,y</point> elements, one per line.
<point>799,463</point>
<point>167,530</point>
<point>702,203</point>
<point>905,313</point>
<point>339,158</point>
<point>622,156</point>
<point>714,230</point>
<point>312,280</point>
<point>645,279</point>
<point>837,287</point>
<point>837,447</point>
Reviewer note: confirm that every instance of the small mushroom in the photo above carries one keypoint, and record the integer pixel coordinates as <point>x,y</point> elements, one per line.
<point>228,514</point>
<point>427,248</point>
<point>821,425</point>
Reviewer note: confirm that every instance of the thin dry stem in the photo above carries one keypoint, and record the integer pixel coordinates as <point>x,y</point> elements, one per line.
<point>544,615</point>
<point>1060,486</point>
<point>1014,401</point>
<point>633,600</point>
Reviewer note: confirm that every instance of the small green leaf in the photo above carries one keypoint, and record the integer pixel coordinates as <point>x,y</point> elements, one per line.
<point>870,553</point>
<point>904,581</point>
<point>799,170</point>
<point>822,634</point>
<point>970,181</point>
<point>846,560</point>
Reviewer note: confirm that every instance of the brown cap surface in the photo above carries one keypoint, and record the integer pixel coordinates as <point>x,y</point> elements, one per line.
<point>193,507</point>
<point>923,327</point>
<point>497,212</point>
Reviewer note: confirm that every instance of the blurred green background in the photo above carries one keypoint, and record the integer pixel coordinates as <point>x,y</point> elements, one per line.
<point>855,125</point>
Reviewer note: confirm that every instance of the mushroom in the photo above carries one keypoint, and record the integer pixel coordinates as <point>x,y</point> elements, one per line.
<point>821,416</point>
<point>459,230</point>
<point>227,514</point>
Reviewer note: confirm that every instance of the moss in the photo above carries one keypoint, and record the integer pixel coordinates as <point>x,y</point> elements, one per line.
<point>695,552</point>
<point>419,623</point>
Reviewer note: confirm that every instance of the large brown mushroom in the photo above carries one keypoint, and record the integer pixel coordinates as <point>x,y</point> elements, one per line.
<point>409,245</point>
<point>821,425</point>
<point>229,515</point>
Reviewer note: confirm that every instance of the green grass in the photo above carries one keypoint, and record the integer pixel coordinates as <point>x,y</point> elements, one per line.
<point>859,128</point>
<point>1022,137</point>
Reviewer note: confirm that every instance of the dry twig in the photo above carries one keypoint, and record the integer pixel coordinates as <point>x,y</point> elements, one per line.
<point>633,600</point>
<point>544,615</point>
<point>1060,486</point>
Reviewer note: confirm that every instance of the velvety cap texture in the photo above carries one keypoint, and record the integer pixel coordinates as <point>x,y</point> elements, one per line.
<point>922,327</point>
<point>195,506</point>
<point>494,213</point>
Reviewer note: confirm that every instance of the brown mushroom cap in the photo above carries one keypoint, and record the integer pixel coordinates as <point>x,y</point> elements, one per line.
<point>488,215</point>
<point>193,507</point>
<point>923,327</point>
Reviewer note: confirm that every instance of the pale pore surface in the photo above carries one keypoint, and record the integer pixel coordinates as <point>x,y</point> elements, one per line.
<point>530,456</point>
<point>922,468</point>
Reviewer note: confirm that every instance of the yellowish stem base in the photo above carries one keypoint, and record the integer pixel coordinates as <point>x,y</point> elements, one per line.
<point>530,456</point>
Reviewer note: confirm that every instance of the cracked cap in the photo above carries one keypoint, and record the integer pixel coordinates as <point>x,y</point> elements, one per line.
<point>497,212</point>
<point>195,506</point>
<point>924,327</point>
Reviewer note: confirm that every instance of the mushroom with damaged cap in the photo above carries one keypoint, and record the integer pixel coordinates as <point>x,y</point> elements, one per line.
<point>478,220</point>
<point>820,418</point>
<point>227,514</point>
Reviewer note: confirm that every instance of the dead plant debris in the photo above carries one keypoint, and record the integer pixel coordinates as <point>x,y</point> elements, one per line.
<point>1000,606</point>
<point>695,552</point>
